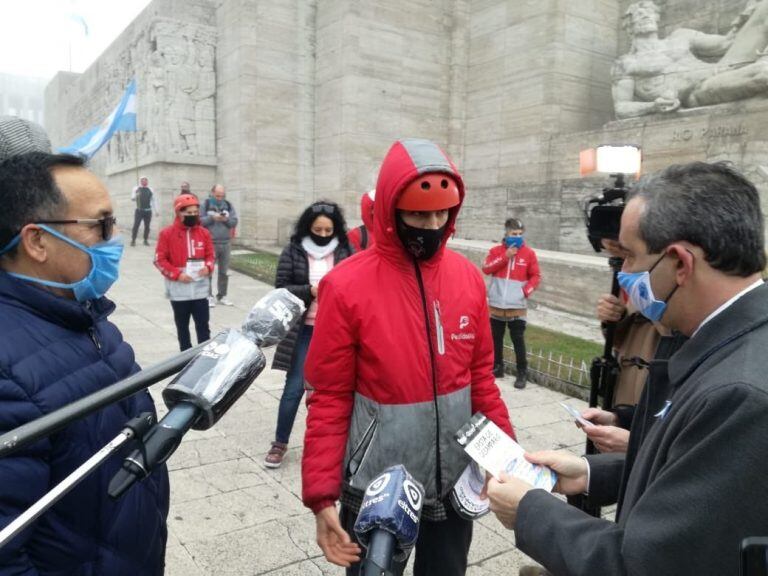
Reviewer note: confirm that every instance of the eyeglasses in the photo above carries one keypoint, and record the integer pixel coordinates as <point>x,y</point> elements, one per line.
<point>107,224</point>
<point>324,208</point>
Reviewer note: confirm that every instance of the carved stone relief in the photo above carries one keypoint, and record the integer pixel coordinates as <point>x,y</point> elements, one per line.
<point>688,68</point>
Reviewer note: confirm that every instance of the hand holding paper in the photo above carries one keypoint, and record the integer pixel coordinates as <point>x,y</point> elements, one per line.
<point>497,453</point>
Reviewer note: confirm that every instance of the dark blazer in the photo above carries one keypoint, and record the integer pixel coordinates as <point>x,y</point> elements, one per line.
<point>293,274</point>
<point>697,486</point>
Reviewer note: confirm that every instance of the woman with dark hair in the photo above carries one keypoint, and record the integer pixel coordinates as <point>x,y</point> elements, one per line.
<point>318,243</point>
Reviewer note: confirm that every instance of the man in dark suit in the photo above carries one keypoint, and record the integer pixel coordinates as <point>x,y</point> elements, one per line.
<point>691,486</point>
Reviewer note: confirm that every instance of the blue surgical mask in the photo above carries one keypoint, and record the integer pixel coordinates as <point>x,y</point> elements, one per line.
<point>513,241</point>
<point>637,285</point>
<point>105,262</point>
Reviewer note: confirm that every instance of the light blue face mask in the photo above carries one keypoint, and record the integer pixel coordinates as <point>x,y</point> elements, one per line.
<point>105,262</point>
<point>637,285</point>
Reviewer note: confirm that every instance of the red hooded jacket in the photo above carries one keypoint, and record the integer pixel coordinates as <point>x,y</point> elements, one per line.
<point>355,236</point>
<point>177,244</point>
<point>512,281</point>
<point>401,355</point>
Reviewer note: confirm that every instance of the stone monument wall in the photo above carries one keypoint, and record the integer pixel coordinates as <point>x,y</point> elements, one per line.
<point>536,70</point>
<point>169,49</point>
<point>289,102</point>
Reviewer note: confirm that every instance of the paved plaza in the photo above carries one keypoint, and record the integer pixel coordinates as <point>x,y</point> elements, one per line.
<point>231,516</point>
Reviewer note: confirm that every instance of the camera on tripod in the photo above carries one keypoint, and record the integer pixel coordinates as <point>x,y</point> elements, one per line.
<point>602,214</point>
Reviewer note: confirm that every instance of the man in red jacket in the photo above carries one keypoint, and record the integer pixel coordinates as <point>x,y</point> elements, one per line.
<point>185,257</point>
<point>514,270</point>
<point>401,358</point>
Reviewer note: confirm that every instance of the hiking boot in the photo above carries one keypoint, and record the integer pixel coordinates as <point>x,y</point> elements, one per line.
<point>520,380</point>
<point>274,457</point>
<point>498,371</point>
<point>225,302</point>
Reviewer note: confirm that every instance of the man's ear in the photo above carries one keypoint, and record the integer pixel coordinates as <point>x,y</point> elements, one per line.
<point>684,262</point>
<point>34,243</point>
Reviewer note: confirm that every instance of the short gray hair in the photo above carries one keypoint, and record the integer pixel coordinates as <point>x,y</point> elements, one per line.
<point>712,206</point>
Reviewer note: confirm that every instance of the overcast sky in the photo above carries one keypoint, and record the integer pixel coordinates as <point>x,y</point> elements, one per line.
<point>38,36</point>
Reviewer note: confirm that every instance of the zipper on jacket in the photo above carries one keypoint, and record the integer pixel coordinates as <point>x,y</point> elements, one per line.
<point>94,338</point>
<point>510,265</point>
<point>438,469</point>
<point>439,328</point>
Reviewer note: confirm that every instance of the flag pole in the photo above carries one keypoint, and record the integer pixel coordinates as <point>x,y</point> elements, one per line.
<point>136,153</point>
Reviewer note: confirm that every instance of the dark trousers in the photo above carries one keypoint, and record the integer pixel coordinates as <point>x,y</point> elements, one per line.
<point>200,313</point>
<point>138,217</point>
<point>517,334</point>
<point>441,549</point>
<point>223,252</point>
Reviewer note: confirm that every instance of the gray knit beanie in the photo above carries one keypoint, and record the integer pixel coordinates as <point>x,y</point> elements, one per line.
<point>18,136</point>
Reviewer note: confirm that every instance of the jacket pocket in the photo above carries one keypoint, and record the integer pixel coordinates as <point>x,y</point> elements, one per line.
<point>360,451</point>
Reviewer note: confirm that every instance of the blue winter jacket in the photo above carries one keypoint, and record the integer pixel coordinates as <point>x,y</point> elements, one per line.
<point>54,351</point>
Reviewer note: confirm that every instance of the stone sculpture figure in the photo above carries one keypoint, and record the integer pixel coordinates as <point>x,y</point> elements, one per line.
<point>689,68</point>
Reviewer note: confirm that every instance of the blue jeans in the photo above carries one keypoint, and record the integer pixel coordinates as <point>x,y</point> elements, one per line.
<point>294,386</point>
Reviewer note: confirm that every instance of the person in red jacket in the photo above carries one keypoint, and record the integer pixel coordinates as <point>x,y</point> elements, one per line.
<point>361,237</point>
<point>185,256</point>
<point>400,359</point>
<point>515,274</point>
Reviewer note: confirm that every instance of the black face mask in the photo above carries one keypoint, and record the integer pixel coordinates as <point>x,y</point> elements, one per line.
<point>320,240</point>
<point>190,220</point>
<point>419,242</point>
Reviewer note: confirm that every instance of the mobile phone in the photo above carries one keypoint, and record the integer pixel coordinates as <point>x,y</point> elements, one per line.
<point>754,556</point>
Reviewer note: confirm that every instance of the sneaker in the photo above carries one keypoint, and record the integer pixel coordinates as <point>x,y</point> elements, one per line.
<point>498,371</point>
<point>133,242</point>
<point>274,457</point>
<point>146,243</point>
<point>225,302</point>
<point>211,302</point>
<point>521,379</point>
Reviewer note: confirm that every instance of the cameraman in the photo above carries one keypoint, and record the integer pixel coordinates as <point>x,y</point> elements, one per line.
<point>635,342</point>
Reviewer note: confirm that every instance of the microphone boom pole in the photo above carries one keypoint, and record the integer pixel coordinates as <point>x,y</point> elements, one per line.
<point>58,419</point>
<point>136,428</point>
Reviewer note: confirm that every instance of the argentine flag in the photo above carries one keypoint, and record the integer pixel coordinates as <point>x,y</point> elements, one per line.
<point>122,119</point>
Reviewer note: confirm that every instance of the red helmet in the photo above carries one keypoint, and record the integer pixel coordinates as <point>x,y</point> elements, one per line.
<point>184,200</point>
<point>433,191</point>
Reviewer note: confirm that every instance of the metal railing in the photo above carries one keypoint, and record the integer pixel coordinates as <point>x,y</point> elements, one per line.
<point>556,371</point>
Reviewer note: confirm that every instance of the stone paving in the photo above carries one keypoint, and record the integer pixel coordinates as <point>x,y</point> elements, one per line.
<point>231,516</point>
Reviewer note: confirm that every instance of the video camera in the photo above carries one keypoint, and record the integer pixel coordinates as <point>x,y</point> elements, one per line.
<point>602,214</point>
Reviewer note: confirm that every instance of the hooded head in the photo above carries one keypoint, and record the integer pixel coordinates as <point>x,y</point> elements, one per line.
<point>412,178</point>
<point>367,201</point>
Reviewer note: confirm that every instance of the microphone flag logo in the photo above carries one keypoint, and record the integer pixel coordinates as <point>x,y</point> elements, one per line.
<point>378,485</point>
<point>413,494</point>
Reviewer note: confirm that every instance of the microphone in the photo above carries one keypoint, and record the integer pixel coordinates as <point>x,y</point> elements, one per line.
<point>388,521</point>
<point>208,386</point>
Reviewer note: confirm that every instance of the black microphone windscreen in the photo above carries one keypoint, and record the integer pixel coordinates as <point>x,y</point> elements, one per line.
<point>272,317</point>
<point>217,377</point>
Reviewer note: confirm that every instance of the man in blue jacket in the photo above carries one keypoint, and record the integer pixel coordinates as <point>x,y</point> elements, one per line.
<point>58,257</point>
